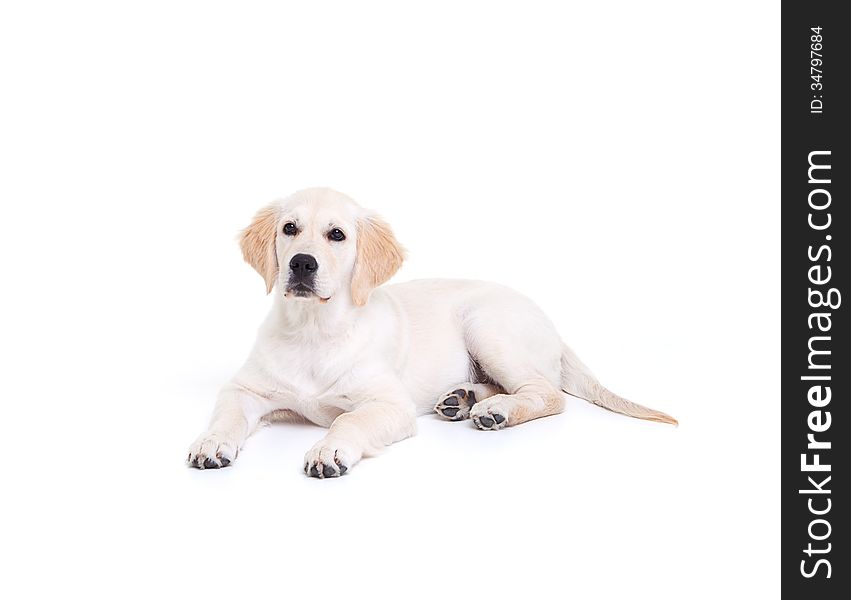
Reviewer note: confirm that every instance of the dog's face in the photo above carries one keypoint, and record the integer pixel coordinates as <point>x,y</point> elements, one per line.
<point>319,244</point>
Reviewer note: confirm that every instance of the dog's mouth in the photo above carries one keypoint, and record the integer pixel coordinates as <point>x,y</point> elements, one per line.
<point>302,290</point>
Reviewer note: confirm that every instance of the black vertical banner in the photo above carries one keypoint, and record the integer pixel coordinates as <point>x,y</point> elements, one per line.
<point>816,368</point>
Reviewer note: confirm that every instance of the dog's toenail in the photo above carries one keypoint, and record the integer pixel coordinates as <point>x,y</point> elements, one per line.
<point>450,412</point>
<point>498,418</point>
<point>328,471</point>
<point>313,471</point>
<point>486,422</point>
<point>343,469</point>
<point>451,401</point>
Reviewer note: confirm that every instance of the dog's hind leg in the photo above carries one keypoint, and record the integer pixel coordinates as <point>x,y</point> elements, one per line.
<point>517,348</point>
<point>534,399</point>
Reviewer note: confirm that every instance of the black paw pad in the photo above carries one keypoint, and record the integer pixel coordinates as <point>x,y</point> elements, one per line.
<point>490,421</point>
<point>225,461</point>
<point>322,470</point>
<point>455,405</point>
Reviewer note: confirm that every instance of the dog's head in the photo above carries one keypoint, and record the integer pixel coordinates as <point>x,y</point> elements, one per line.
<point>318,244</point>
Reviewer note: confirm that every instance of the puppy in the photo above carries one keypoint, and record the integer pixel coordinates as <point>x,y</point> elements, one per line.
<point>362,360</point>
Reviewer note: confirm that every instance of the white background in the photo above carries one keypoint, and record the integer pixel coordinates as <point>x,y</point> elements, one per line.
<point>618,162</point>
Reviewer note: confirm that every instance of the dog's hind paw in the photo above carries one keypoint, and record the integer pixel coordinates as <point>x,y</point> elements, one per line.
<point>456,404</point>
<point>490,414</point>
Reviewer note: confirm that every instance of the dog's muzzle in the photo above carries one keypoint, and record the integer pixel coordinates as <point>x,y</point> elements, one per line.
<point>303,269</point>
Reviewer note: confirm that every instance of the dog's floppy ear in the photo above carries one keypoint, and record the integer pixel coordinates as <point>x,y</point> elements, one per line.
<point>379,257</point>
<point>258,244</point>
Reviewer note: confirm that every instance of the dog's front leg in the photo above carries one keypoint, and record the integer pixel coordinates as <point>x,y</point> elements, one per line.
<point>372,425</point>
<point>235,417</point>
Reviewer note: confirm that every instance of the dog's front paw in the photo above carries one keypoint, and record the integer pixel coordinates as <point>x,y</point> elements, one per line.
<point>328,459</point>
<point>490,414</point>
<point>212,451</point>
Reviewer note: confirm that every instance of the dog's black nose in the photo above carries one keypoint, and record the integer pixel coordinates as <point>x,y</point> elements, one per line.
<point>303,264</point>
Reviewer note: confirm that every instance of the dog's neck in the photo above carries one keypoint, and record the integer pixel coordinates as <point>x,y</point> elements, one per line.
<point>313,319</point>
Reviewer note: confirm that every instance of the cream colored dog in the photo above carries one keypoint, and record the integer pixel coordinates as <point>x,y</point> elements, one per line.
<point>341,352</point>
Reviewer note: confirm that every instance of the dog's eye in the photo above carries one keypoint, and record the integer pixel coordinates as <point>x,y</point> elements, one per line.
<point>290,229</point>
<point>336,235</point>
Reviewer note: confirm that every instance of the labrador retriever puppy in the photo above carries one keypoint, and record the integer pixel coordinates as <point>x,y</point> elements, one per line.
<point>339,351</point>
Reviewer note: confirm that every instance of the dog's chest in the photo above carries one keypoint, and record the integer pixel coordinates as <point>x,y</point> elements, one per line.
<point>311,375</point>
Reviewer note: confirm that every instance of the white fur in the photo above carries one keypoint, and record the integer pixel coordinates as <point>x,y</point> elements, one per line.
<point>367,371</point>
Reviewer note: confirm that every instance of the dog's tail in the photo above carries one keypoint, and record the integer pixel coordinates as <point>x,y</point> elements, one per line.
<point>577,380</point>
